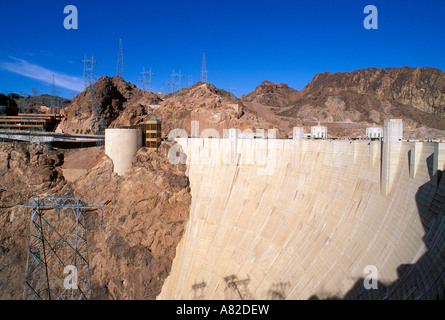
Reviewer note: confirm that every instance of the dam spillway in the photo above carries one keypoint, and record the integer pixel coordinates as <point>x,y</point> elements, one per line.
<point>305,219</point>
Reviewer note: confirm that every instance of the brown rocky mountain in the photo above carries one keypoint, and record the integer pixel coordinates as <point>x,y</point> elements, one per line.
<point>214,109</point>
<point>363,97</point>
<point>120,102</point>
<point>356,99</point>
<point>202,102</point>
<point>419,88</point>
<point>272,94</point>
<point>123,105</point>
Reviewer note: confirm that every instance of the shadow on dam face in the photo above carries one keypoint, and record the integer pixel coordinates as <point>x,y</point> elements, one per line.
<point>424,279</point>
<point>311,229</point>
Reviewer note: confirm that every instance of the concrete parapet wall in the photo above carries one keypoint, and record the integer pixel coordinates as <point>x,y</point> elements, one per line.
<point>293,219</point>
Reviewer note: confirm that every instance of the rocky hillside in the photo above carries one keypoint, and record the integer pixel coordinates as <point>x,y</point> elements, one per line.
<point>372,95</point>
<point>26,170</point>
<point>212,107</point>
<point>363,97</point>
<point>272,95</point>
<point>121,104</point>
<point>131,251</point>
<point>419,88</point>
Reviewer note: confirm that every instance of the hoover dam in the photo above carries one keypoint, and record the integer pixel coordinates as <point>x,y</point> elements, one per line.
<point>312,219</point>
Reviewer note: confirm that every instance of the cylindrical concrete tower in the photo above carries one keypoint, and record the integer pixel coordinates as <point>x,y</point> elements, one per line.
<point>121,145</point>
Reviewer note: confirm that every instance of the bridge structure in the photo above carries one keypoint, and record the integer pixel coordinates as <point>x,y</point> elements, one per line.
<point>48,137</point>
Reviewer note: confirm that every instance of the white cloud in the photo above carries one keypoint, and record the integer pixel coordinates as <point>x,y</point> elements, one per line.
<point>33,71</point>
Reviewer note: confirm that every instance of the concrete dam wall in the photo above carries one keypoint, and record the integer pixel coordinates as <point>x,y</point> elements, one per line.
<point>302,219</point>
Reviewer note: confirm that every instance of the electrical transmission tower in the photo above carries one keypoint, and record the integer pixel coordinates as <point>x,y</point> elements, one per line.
<point>89,83</point>
<point>36,97</point>
<point>144,80</point>
<point>166,88</point>
<point>120,60</point>
<point>175,80</point>
<point>190,82</point>
<point>88,71</point>
<point>204,68</point>
<point>179,76</point>
<point>53,95</point>
<point>57,264</point>
<point>172,81</point>
<point>55,99</point>
<point>233,91</point>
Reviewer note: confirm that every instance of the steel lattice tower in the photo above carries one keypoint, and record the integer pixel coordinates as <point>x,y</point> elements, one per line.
<point>175,82</point>
<point>204,68</point>
<point>57,265</point>
<point>144,80</point>
<point>89,79</point>
<point>36,95</point>
<point>120,60</point>
<point>179,75</point>
<point>98,121</point>
<point>88,71</point>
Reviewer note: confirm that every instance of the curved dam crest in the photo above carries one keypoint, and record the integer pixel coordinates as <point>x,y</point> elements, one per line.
<point>304,219</point>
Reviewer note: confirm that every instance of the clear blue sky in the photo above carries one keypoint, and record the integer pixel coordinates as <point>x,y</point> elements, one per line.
<point>246,42</point>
